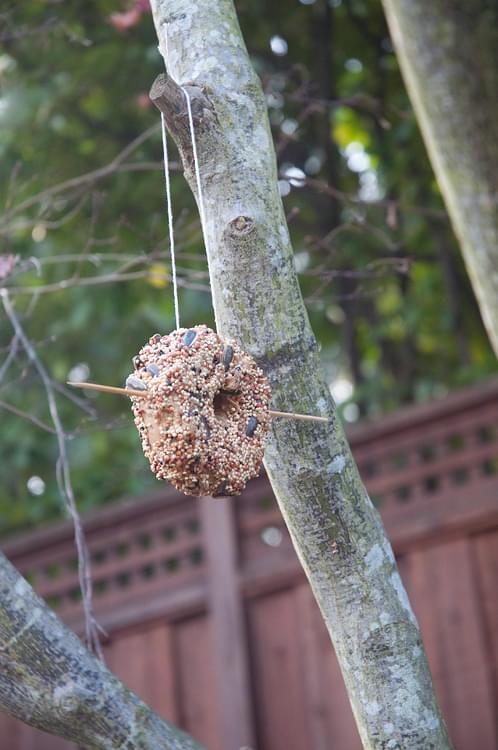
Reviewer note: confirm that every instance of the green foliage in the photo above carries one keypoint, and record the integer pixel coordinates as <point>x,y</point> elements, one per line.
<point>73,97</point>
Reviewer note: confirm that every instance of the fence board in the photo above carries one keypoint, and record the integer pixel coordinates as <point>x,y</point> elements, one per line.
<point>143,660</point>
<point>199,709</point>
<point>278,668</point>
<point>486,552</point>
<point>439,581</point>
<point>229,638</point>
<point>328,711</point>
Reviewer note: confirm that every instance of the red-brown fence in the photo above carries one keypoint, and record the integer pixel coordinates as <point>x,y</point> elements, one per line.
<point>211,620</point>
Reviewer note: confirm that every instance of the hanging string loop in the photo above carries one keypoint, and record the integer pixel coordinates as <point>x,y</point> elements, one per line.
<point>200,194</point>
<point>170,221</point>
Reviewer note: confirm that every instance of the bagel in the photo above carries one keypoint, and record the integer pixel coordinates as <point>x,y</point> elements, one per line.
<point>204,424</point>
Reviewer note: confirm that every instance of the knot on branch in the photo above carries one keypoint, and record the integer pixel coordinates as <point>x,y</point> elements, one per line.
<point>240,226</point>
<point>243,239</point>
<point>72,699</point>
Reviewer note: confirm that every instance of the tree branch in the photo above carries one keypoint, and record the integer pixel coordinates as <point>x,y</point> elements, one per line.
<point>334,527</point>
<point>447,54</point>
<point>50,681</point>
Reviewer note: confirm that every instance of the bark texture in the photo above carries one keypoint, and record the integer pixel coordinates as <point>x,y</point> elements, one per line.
<point>49,680</point>
<point>447,50</point>
<point>336,531</point>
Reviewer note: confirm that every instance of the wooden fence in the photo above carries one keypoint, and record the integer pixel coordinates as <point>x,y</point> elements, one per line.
<point>211,620</point>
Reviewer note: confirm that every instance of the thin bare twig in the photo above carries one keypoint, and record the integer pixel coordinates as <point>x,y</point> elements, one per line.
<point>10,356</point>
<point>111,278</point>
<point>27,415</point>
<point>63,479</point>
<point>81,180</point>
<point>323,187</point>
<point>81,402</point>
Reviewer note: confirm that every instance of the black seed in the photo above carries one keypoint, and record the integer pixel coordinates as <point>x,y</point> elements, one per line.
<point>221,489</point>
<point>189,337</point>
<point>227,357</point>
<point>252,423</point>
<point>135,383</point>
<point>206,426</point>
<point>156,338</point>
<point>137,362</point>
<point>216,360</point>
<point>153,369</point>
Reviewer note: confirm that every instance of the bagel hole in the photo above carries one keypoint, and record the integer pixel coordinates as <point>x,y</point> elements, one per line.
<point>222,403</point>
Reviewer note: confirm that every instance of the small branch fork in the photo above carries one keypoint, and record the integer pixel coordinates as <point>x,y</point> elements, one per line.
<point>144,394</point>
<point>169,98</point>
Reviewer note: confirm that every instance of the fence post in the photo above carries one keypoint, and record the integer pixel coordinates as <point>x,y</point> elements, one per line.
<point>228,627</point>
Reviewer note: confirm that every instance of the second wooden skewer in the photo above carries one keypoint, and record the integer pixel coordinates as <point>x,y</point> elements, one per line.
<point>145,394</point>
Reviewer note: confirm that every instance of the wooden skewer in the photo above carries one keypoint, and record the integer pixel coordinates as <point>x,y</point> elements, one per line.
<point>302,417</point>
<point>145,394</point>
<point>110,389</point>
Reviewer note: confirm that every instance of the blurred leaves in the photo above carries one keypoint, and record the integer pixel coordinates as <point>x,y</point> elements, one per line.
<point>380,269</point>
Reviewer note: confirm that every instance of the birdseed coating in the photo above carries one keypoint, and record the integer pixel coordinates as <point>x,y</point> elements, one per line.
<point>204,423</point>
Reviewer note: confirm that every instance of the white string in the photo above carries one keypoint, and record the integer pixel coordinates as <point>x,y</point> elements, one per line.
<point>196,170</point>
<point>170,221</point>
<point>200,194</point>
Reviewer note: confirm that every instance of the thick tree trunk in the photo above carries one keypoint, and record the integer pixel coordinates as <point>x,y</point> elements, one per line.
<point>335,529</point>
<point>447,50</point>
<point>49,680</point>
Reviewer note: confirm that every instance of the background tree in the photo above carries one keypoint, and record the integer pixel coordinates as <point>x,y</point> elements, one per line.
<point>447,53</point>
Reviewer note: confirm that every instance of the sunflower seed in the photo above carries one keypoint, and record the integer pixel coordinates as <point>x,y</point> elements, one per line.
<point>206,426</point>
<point>189,337</point>
<point>227,357</point>
<point>135,383</point>
<point>153,369</point>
